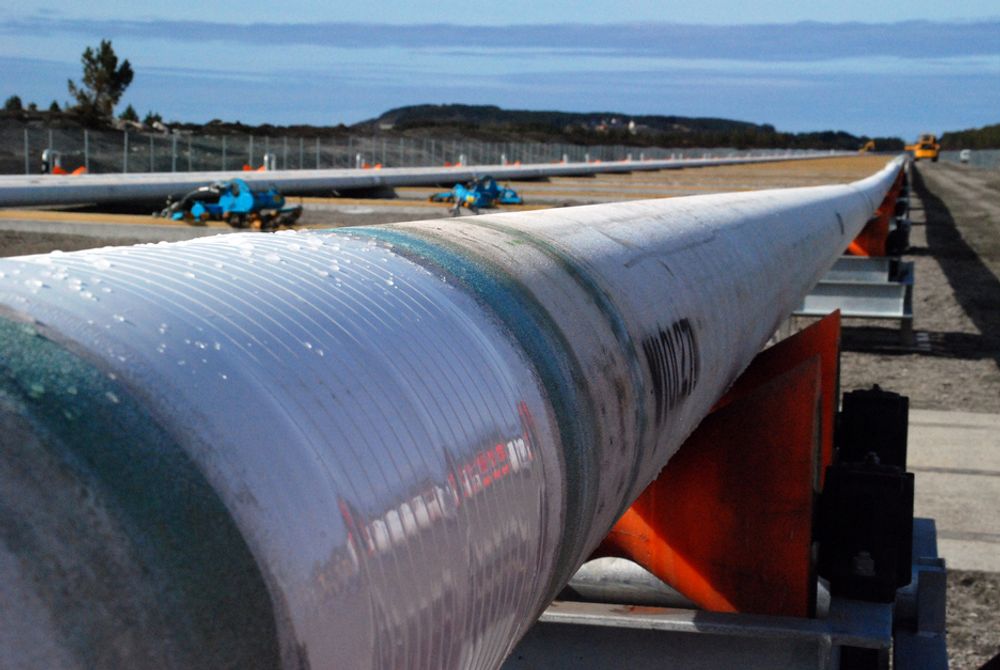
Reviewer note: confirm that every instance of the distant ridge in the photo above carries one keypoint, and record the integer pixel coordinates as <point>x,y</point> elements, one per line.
<point>489,123</point>
<point>987,137</point>
<point>491,115</point>
<point>492,123</point>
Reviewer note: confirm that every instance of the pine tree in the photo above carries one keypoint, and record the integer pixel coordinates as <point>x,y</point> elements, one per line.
<point>129,114</point>
<point>104,81</point>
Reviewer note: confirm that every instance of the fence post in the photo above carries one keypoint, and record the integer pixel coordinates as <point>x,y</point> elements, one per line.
<point>317,153</point>
<point>152,155</point>
<point>125,153</point>
<point>173,153</point>
<point>189,154</point>
<point>223,153</point>
<point>302,152</point>
<point>284,153</point>
<point>27,162</point>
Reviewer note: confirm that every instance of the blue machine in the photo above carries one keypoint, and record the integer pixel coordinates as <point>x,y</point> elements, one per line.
<point>234,202</point>
<point>477,194</point>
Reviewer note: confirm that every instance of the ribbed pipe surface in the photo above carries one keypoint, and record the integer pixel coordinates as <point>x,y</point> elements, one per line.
<point>374,447</point>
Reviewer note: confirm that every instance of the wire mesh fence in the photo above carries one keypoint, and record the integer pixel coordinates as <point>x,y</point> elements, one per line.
<point>982,158</point>
<point>99,151</point>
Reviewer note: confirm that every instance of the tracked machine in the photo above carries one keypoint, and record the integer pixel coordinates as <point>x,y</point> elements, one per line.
<point>481,193</point>
<point>234,202</point>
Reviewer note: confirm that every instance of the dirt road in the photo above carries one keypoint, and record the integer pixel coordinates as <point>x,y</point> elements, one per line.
<point>959,305</point>
<point>956,299</point>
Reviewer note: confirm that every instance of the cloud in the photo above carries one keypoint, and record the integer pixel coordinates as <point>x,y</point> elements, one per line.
<point>806,41</point>
<point>860,77</point>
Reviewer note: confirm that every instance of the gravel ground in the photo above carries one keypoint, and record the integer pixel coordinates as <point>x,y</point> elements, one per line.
<point>956,300</point>
<point>956,249</point>
<point>14,243</point>
<point>973,617</point>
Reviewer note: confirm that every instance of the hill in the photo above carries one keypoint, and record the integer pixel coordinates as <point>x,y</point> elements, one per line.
<point>987,137</point>
<point>491,116</point>
<point>489,122</point>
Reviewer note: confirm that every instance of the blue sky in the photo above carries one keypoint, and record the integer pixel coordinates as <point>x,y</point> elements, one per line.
<point>866,67</point>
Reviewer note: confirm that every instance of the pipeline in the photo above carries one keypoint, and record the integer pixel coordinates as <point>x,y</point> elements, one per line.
<point>375,447</point>
<point>619,581</point>
<point>35,190</point>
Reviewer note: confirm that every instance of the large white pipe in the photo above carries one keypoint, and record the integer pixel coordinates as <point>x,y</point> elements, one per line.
<point>373,447</point>
<point>36,190</point>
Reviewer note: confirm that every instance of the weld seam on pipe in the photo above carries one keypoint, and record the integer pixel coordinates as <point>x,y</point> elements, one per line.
<point>544,344</point>
<point>604,302</point>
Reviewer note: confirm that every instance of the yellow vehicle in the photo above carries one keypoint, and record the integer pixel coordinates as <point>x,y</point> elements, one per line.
<point>868,147</point>
<point>926,147</point>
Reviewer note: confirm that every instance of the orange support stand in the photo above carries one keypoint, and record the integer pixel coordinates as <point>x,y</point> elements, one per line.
<point>822,340</point>
<point>728,522</point>
<point>872,238</point>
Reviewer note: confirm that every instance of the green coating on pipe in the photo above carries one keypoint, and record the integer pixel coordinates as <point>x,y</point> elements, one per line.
<point>548,352</point>
<point>607,307</point>
<point>121,537</point>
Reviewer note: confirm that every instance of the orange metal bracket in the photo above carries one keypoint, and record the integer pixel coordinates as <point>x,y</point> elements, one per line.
<point>728,522</point>
<point>872,238</point>
<point>821,339</point>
